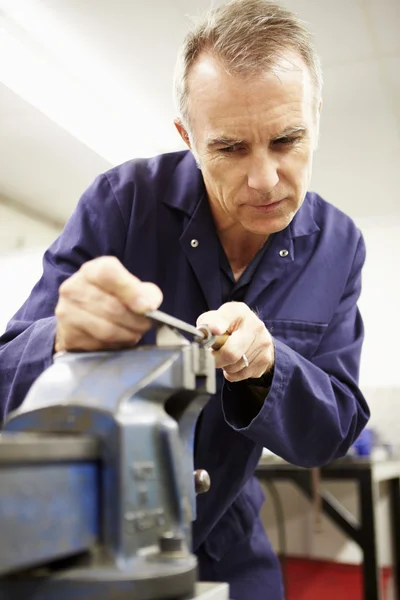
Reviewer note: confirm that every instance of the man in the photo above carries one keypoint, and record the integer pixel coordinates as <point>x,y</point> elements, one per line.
<point>225,235</point>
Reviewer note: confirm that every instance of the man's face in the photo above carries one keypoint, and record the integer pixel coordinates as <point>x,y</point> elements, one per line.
<point>253,140</point>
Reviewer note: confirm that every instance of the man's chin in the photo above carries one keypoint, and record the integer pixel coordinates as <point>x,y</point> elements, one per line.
<point>267,225</point>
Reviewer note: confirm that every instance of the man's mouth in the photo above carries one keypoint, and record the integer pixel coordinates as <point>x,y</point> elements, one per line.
<point>268,207</point>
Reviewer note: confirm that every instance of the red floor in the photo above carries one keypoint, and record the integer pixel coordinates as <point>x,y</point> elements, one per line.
<point>319,580</point>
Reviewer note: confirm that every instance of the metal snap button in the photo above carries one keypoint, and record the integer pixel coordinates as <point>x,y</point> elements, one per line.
<point>202,481</point>
<point>194,243</point>
<point>283,253</point>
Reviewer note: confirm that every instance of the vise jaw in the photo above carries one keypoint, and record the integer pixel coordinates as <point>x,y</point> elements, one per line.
<point>139,407</point>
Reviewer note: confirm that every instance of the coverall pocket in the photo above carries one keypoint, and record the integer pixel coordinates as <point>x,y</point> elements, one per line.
<point>301,336</point>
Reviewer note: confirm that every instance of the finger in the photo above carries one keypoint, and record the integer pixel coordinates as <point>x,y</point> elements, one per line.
<point>251,356</point>
<point>235,377</point>
<point>256,369</point>
<point>81,329</point>
<point>226,319</point>
<point>234,312</point>
<point>78,341</point>
<point>255,355</point>
<point>242,375</point>
<point>104,305</point>
<point>111,276</point>
<point>217,323</point>
<point>231,353</point>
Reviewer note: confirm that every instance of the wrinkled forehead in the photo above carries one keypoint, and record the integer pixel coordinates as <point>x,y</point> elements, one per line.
<point>215,94</point>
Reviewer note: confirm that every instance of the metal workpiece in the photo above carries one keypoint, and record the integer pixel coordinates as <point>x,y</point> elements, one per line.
<point>211,591</point>
<point>198,335</point>
<point>201,334</point>
<point>119,502</point>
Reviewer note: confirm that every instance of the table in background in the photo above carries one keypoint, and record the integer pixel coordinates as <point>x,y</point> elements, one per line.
<point>367,474</point>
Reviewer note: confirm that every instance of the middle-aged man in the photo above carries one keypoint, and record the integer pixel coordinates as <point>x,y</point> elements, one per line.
<point>229,234</point>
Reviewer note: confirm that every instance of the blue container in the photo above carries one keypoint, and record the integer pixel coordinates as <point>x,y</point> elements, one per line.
<point>364,443</point>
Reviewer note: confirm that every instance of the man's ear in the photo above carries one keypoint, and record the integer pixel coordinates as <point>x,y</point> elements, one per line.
<point>317,124</point>
<point>182,132</point>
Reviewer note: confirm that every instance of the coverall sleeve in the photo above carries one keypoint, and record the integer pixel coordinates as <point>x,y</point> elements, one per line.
<point>314,409</point>
<point>26,348</point>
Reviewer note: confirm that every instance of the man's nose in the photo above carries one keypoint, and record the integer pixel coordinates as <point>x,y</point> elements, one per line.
<point>263,173</point>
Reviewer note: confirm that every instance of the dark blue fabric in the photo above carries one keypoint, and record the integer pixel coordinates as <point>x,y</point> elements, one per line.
<point>250,566</point>
<point>147,212</point>
<point>232,290</point>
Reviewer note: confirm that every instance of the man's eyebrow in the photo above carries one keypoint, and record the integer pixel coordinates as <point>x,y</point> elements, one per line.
<point>300,130</point>
<point>222,141</point>
<point>228,141</point>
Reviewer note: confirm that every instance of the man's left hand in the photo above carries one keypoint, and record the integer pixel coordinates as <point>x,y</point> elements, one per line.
<point>249,339</point>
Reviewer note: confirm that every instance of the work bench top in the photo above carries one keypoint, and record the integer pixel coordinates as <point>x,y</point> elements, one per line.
<point>345,468</point>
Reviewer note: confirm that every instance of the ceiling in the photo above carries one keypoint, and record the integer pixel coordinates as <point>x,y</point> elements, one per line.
<point>87,84</point>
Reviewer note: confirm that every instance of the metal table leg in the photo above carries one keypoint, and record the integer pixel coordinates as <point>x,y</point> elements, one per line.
<point>372,583</point>
<point>394,491</point>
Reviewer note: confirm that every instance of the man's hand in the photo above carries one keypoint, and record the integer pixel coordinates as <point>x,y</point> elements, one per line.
<point>100,307</point>
<point>248,337</point>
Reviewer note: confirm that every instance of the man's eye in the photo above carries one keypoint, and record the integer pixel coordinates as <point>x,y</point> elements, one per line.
<point>287,140</point>
<point>229,149</point>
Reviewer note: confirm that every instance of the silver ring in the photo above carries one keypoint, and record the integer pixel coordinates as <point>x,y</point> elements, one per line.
<point>245,360</point>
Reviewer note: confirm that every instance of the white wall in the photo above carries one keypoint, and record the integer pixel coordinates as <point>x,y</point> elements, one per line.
<point>23,240</point>
<point>380,301</point>
<point>18,230</point>
<point>19,271</point>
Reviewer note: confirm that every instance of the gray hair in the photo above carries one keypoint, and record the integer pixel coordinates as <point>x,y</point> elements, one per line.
<point>247,36</point>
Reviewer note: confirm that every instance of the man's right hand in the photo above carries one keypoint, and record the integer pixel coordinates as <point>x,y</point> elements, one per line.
<point>100,307</point>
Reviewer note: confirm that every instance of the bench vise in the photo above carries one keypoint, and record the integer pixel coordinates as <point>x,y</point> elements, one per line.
<point>97,489</point>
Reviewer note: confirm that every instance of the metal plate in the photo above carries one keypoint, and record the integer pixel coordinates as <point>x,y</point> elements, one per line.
<point>212,591</point>
<point>31,447</point>
<point>204,591</point>
<point>173,580</point>
<point>47,511</point>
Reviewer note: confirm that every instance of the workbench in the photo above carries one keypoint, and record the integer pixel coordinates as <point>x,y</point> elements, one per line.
<point>367,474</point>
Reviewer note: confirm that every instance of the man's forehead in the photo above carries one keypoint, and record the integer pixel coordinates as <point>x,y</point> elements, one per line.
<point>217,98</point>
<point>210,70</point>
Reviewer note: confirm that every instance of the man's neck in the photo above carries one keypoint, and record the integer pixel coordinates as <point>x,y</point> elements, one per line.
<point>240,248</point>
<point>239,244</point>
